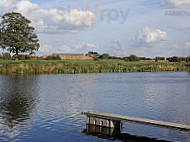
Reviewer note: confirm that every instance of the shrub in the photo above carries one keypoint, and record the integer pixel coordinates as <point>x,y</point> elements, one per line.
<point>174,59</point>
<point>183,59</point>
<point>6,56</point>
<point>144,58</point>
<point>34,57</point>
<point>104,56</point>
<point>53,57</point>
<point>1,57</point>
<point>40,58</point>
<point>95,59</point>
<point>159,59</point>
<point>126,59</point>
<point>49,58</point>
<point>21,57</point>
<point>133,58</point>
<point>27,57</point>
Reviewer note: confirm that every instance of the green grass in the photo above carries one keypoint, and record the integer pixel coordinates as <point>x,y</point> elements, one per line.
<point>86,66</point>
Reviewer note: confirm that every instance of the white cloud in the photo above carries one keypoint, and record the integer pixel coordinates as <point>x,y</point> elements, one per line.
<point>6,4</point>
<point>118,49</point>
<point>187,45</point>
<point>86,45</point>
<point>178,3</point>
<point>53,20</point>
<point>65,49</point>
<point>78,48</point>
<point>148,35</point>
<point>25,6</point>
<point>45,48</point>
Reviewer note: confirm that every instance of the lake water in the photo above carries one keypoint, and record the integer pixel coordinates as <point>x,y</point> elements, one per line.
<point>48,107</point>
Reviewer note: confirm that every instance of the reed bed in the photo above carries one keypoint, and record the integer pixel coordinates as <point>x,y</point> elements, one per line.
<point>23,67</point>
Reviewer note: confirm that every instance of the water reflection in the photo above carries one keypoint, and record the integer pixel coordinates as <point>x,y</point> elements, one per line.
<point>17,101</point>
<point>48,107</point>
<point>115,134</point>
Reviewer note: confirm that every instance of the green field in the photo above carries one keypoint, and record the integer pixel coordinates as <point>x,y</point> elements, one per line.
<point>23,67</point>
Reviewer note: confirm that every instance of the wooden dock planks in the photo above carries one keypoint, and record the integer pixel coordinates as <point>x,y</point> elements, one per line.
<point>116,117</point>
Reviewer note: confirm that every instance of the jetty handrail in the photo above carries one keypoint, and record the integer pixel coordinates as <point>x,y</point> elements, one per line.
<point>116,117</point>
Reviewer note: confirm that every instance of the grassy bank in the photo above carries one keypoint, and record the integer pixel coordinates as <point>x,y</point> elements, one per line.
<point>86,66</point>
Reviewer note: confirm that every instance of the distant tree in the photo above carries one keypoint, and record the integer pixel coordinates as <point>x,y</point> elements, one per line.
<point>174,59</point>
<point>16,34</point>
<point>188,59</point>
<point>133,58</point>
<point>144,58</point>
<point>115,57</point>
<point>126,59</point>
<point>159,59</point>
<point>178,59</point>
<point>168,59</point>
<point>156,59</point>
<point>183,59</point>
<point>93,54</point>
<point>104,56</point>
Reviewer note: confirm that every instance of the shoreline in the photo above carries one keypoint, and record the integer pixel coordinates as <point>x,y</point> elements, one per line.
<point>37,67</point>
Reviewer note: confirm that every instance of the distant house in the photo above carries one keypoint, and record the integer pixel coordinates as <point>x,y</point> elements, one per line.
<point>72,56</point>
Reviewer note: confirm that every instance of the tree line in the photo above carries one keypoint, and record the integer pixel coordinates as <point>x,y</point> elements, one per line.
<point>97,56</point>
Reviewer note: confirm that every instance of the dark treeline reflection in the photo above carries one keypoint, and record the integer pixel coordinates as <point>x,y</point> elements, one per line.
<point>18,97</point>
<point>115,134</point>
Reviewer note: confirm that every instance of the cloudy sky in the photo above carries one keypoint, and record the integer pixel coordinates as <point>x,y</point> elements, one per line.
<point>120,27</point>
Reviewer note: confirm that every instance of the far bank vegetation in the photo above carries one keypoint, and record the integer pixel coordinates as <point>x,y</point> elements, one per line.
<point>20,67</point>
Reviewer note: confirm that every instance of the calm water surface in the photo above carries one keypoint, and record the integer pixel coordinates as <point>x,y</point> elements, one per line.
<point>48,107</point>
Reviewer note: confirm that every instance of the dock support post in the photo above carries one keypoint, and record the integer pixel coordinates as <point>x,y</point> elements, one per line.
<point>115,124</point>
<point>88,120</point>
<point>103,122</point>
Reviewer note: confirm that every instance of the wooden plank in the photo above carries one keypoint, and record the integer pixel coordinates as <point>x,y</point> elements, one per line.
<point>136,120</point>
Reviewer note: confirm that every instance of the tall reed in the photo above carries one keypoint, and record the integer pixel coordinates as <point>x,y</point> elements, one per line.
<point>86,66</point>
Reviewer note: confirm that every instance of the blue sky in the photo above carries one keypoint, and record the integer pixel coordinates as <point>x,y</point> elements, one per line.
<point>119,27</point>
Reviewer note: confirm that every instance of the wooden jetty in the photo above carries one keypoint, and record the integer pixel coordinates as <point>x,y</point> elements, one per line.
<point>114,121</point>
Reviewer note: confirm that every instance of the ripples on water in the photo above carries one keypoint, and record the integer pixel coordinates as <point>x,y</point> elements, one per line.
<point>48,107</point>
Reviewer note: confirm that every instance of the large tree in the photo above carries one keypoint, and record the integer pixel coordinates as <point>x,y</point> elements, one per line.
<point>16,34</point>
